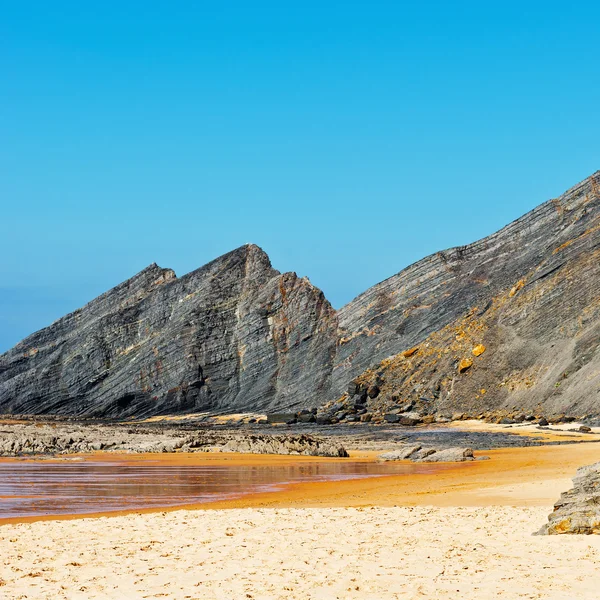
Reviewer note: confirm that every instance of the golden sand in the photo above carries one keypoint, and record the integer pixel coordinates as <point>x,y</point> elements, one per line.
<point>463,531</point>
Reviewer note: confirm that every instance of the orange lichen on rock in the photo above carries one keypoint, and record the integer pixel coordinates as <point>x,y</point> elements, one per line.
<point>465,364</point>
<point>519,285</point>
<point>478,350</point>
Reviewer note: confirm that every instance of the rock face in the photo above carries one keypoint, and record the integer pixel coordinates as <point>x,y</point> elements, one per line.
<point>234,334</point>
<point>578,510</point>
<point>306,445</point>
<point>25,439</point>
<point>511,322</point>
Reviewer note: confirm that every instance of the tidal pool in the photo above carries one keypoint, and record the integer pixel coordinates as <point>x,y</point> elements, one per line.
<point>35,488</point>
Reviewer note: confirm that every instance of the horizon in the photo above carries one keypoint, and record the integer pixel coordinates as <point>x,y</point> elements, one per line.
<point>347,141</point>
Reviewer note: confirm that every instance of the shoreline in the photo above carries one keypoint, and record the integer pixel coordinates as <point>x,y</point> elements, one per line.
<point>528,476</point>
<point>464,531</point>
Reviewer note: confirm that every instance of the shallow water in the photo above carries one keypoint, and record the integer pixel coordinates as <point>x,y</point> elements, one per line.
<point>39,488</point>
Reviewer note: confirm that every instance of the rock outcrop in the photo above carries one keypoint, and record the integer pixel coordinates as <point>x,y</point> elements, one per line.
<point>232,335</point>
<point>578,510</point>
<point>509,323</point>
<point>430,455</point>
<point>52,438</point>
<point>305,445</point>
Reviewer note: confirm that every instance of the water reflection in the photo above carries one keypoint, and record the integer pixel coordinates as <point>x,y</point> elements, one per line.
<point>35,488</point>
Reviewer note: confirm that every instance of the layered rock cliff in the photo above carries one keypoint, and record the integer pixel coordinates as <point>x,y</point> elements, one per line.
<point>511,322</point>
<point>233,335</point>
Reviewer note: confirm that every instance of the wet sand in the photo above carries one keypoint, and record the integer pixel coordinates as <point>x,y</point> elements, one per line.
<point>531,476</point>
<point>92,484</point>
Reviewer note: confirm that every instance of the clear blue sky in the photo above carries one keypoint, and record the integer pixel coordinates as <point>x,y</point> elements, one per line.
<point>348,139</point>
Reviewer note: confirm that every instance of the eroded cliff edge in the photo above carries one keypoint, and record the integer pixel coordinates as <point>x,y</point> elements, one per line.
<point>233,335</point>
<point>511,322</point>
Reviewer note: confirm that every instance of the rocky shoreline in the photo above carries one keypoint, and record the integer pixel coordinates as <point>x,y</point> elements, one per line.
<point>28,437</point>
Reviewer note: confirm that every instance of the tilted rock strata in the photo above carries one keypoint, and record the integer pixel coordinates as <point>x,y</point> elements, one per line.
<point>509,323</point>
<point>526,340</point>
<point>578,510</point>
<point>66,438</point>
<point>234,334</point>
<point>305,445</point>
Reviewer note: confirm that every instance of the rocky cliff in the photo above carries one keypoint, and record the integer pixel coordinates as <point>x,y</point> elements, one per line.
<point>511,322</point>
<point>233,335</point>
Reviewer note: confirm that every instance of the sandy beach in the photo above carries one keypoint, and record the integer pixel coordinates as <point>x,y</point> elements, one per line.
<point>374,553</point>
<point>462,532</point>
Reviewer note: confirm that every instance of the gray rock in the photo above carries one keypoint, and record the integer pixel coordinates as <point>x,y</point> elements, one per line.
<point>491,287</point>
<point>403,454</point>
<point>354,389</point>
<point>279,418</point>
<point>578,510</point>
<point>299,444</point>
<point>408,421</point>
<point>422,454</point>
<point>391,418</point>
<point>449,455</point>
<point>238,336</point>
<point>235,335</point>
<point>310,418</point>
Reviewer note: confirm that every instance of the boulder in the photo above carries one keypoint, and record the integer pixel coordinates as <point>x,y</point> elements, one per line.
<point>306,445</point>
<point>422,454</point>
<point>278,418</point>
<point>478,350</point>
<point>402,454</point>
<point>408,421</point>
<point>449,455</point>
<point>306,418</point>
<point>465,364</point>
<point>373,391</point>
<point>577,510</point>
<point>408,406</point>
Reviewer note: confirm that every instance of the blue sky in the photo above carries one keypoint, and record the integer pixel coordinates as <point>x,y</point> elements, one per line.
<point>347,139</point>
